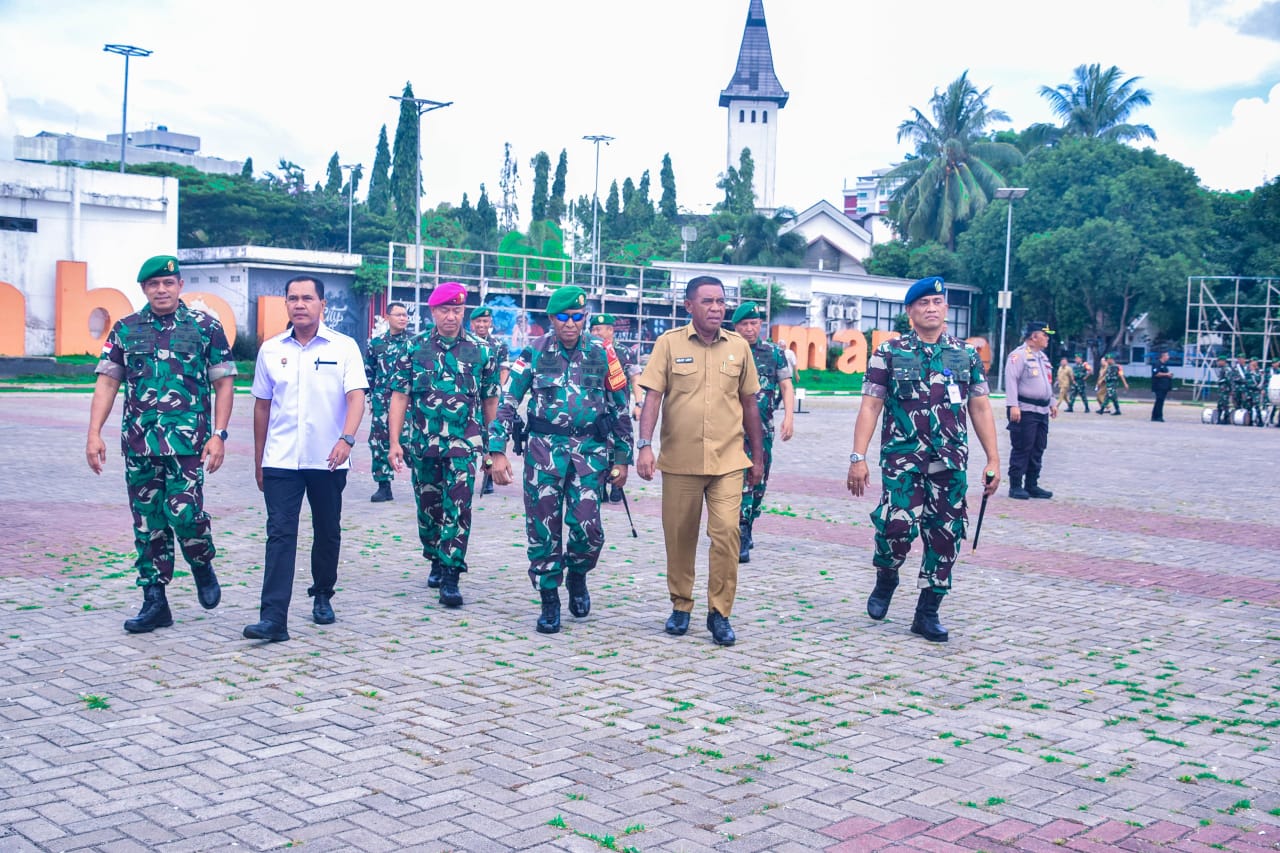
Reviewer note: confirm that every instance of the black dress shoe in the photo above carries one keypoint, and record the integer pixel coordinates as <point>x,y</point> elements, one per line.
<point>321,611</point>
<point>1037,492</point>
<point>266,631</point>
<point>720,631</point>
<point>677,623</point>
<point>1019,494</point>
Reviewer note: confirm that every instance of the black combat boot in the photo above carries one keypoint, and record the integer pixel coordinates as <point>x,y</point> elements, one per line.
<point>437,574</point>
<point>744,542</point>
<point>1033,490</point>
<point>154,613</point>
<point>549,621</point>
<point>579,598</point>
<point>1015,489</point>
<point>383,494</point>
<point>449,594</point>
<point>878,601</point>
<point>207,589</point>
<point>926,623</point>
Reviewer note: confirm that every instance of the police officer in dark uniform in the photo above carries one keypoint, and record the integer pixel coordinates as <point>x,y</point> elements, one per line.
<point>1161,384</point>
<point>1028,380</point>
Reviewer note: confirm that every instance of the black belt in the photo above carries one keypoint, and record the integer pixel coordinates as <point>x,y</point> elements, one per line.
<point>1033,402</point>
<point>542,426</point>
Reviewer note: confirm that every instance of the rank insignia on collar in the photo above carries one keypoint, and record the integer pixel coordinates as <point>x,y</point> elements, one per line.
<point>284,360</point>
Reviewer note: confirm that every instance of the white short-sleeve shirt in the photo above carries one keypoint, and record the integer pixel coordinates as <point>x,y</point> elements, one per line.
<point>307,387</point>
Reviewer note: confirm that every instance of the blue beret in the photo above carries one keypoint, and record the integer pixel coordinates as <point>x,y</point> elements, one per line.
<point>925,287</point>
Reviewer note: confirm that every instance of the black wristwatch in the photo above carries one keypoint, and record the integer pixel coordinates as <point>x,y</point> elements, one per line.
<point>222,434</point>
<point>349,439</point>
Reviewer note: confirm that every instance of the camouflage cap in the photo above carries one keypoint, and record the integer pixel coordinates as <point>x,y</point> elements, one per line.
<point>746,311</point>
<point>158,266</point>
<point>565,298</point>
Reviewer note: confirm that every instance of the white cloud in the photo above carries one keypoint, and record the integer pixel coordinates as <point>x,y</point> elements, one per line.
<point>1245,153</point>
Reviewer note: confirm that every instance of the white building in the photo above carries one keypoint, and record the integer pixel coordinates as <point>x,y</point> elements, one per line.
<point>110,221</point>
<point>753,98</point>
<point>867,203</point>
<point>156,145</point>
<point>833,242</point>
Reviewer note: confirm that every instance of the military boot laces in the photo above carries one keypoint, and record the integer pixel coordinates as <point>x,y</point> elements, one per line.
<point>579,597</point>
<point>154,613</point>
<point>449,594</point>
<point>926,623</point>
<point>208,591</point>
<point>549,621</point>
<point>878,601</point>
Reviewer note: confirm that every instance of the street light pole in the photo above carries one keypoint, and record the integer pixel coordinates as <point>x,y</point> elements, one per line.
<point>125,50</point>
<point>423,105</point>
<point>595,213</point>
<point>351,174</point>
<point>1010,194</point>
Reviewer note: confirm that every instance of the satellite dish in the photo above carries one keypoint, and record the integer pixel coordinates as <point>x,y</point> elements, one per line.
<point>688,233</point>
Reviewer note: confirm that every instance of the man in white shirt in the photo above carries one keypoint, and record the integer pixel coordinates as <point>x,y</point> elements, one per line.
<point>309,386</point>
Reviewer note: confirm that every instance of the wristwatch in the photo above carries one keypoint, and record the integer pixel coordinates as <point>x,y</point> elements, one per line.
<point>857,457</point>
<point>643,442</point>
<point>488,460</point>
<point>349,439</point>
<point>222,434</point>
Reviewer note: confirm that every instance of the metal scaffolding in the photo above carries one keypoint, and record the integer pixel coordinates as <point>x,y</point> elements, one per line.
<point>1228,317</point>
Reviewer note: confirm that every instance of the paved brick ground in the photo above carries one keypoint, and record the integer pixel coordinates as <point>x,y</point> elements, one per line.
<point>1111,682</point>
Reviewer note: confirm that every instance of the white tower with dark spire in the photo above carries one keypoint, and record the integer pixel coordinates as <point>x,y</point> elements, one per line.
<point>754,97</point>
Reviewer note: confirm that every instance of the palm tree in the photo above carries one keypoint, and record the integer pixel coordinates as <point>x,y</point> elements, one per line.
<point>1099,104</point>
<point>956,168</point>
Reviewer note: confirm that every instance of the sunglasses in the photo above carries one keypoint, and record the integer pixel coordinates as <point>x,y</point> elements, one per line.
<point>564,318</point>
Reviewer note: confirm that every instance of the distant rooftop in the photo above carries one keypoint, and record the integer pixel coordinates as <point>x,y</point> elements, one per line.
<point>754,78</point>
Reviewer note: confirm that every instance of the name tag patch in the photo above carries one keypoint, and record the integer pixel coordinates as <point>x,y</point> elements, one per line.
<point>685,360</point>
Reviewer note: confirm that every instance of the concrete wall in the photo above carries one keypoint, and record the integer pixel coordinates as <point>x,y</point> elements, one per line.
<point>109,221</point>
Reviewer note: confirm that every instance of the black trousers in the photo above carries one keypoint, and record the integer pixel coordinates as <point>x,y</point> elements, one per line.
<point>283,490</point>
<point>1028,438</point>
<point>1157,411</point>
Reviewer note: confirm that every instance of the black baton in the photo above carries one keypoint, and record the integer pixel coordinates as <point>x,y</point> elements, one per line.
<point>627,507</point>
<point>977,531</point>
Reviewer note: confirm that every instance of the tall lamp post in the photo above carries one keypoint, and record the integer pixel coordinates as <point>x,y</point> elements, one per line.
<point>595,215</point>
<point>1010,194</point>
<point>351,174</point>
<point>423,106</point>
<point>125,50</point>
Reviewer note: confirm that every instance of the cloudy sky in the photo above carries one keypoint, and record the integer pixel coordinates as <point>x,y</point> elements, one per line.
<point>298,81</point>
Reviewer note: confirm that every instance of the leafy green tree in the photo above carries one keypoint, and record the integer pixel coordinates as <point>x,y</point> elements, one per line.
<point>892,259</point>
<point>667,178</point>
<point>1098,103</point>
<point>405,188</point>
<point>333,176</point>
<point>611,221</point>
<point>555,205</point>
<point>737,185</point>
<point>760,293</point>
<point>247,170</point>
<point>541,164</point>
<point>955,169</point>
<point>509,183</point>
<point>380,181</point>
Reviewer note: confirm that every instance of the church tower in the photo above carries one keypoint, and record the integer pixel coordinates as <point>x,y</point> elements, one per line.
<point>754,97</point>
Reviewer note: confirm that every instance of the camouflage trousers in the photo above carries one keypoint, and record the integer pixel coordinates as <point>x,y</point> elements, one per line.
<point>561,487</point>
<point>166,497</point>
<point>380,441</point>
<point>753,496</point>
<point>1078,390</point>
<point>931,506</point>
<point>1110,397</point>
<point>443,486</point>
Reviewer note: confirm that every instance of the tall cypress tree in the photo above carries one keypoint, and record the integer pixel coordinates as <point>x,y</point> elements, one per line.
<point>379,200</point>
<point>404,166</point>
<point>333,176</point>
<point>667,204</point>
<point>541,164</point>
<point>247,170</point>
<point>509,184</point>
<point>555,206</point>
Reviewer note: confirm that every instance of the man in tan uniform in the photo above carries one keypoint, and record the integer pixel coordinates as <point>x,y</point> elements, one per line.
<point>704,381</point>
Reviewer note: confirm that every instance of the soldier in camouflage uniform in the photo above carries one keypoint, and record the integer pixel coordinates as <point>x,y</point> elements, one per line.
<point>482,328</point>
<point>168,357</point>
<point>1079,374</point>
<point>922,383</point>
<point>579,438</point>
<point>1223,372</point>
<point>1254,392</point>
<point>447,382</point>
<point>602,327</point>
<point>776,390</point>
<point>1111,378</point>
<point>379,365</point>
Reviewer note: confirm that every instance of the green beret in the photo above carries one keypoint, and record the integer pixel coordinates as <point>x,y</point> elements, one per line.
<point>481,311</point>
<point>602,320</point>
<point>746,311</point>
<point>159,265</point>
<point>565,298</point>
